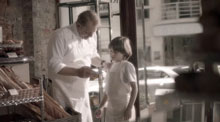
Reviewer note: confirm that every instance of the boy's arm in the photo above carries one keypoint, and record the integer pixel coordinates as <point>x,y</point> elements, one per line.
<point>133,94</point>
<point>128,111</point>
<point>99,111</point>
<point>104,99</point>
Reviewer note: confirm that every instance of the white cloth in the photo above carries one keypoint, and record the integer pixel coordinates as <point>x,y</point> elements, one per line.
<point>66,48</point>
<point>118,90</point>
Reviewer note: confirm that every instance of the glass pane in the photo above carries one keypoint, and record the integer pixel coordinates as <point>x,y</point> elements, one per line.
<point>216,112</point>
<point>198,113</point>
<point>164,48</point>
<point>187,113</point>
<point>146,13</point>
<point>138,3</point>
<point>146,2</point>
<point>142,49</point>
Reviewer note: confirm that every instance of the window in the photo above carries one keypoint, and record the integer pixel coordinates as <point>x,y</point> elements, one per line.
<point>146,13</point>
<point>146,9</point>
<point>146,2</point>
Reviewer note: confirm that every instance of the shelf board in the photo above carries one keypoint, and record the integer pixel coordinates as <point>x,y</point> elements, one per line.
<point>16,60</point>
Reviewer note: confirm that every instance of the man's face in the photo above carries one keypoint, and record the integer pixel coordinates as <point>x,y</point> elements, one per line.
<point>87,31</point>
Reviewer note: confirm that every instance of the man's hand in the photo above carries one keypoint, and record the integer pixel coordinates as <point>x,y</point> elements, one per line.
<point>85,72</point>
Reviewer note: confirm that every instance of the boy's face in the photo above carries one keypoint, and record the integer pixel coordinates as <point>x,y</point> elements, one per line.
<point>116,56</point>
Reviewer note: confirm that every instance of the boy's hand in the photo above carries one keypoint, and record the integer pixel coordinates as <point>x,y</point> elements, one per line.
<point>127,114</point>
<point>98,113</point>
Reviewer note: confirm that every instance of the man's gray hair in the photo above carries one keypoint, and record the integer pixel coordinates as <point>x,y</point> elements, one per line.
<point>88,16</point>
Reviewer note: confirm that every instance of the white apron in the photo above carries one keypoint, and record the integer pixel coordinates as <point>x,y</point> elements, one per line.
<point>68,49</point>
<point>118,93</point>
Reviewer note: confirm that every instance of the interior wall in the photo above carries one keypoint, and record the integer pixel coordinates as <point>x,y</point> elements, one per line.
<point>11,19</point>
<point>44,24</point>
<point>32,21</point>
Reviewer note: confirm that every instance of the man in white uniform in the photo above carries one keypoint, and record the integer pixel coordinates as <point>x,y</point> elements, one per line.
<point>71,51</point>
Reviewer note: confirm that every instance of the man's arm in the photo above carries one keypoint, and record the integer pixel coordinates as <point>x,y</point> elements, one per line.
<point>83,72</point>
<point>68,71</point>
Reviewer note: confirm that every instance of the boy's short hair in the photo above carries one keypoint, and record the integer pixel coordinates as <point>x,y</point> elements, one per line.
<point>122,45</point>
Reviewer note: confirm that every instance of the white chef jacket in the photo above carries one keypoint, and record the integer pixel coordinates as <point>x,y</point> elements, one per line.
<point>118,91</point>
<point>67,48</point>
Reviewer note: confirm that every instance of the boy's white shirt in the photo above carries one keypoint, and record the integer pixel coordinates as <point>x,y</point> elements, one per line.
<point>121,87</point>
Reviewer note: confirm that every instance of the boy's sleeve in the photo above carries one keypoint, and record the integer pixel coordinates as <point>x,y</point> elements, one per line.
<point>129,74</point>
